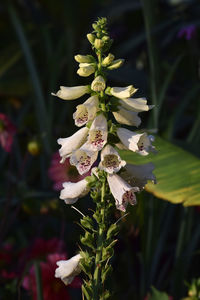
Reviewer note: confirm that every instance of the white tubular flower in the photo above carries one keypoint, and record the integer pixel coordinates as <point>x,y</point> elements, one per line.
<point>69,144</point>
<point>73,190</point>
<point>70,93</point>
<point>68,269</point>
<point>123,92</point>
<point>129,139</point>
<point>137,104</point>
<point>98,84</point>
<point>85,69</point>
<point>83,158</point>
<point>86,112</point>
<point>110,160</point>
<point>98,133</point>
<point>139,174</point>
<point>144,144</point>
<point>122,192</point>
<point>136,142</point>
<point>126,117</point>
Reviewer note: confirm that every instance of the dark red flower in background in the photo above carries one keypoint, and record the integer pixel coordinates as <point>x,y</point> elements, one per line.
<point>60,173</point>
<point>7,132</point>
<point>50,251</point>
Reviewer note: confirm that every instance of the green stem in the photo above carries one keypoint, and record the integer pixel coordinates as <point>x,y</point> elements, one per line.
<point>100,242</point>
<point>149,20</point>
<point>38,281</point>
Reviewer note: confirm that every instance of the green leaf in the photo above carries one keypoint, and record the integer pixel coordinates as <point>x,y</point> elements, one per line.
<point>157,295</point>
<point>176,170</point>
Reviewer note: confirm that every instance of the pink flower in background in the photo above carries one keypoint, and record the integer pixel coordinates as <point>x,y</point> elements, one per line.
<point>7,132</point>
<point>188,32</point>
<point>53,288</point>
<point>41,247</point>
<point>60,173</point>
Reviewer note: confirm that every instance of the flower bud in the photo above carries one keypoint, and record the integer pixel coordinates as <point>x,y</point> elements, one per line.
<point>98,44</point>
<point>85,69</point>
<point>91,38</point>
<point>84,58</point>
<point>116,64</point>
<point>106,38</point>
<point>33,148</point>
<point>98,84</point>
<point>108,60</point>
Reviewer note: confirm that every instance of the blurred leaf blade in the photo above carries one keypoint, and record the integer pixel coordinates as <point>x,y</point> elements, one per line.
<point>157,295</point>
<point>177,173</point>
<point>39,98</point>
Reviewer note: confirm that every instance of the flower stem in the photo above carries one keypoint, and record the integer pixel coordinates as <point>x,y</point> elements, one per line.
<point>97,274</point>
<point>38,280</point>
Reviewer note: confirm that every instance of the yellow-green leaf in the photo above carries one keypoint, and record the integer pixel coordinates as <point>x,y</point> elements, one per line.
<point>177,172</point>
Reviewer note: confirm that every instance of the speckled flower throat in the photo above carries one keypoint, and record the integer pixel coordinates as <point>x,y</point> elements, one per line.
<point>113,183</point>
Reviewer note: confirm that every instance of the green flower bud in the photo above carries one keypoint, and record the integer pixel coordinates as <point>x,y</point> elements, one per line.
<point>108,60</point>
<point>85,69</point>
<point>106,38</point>
<point>98,44</point>
<point>91,38</point>
<point>98,84</point>
<point>33,148</point>
<point>84,58</point>
<point>116,64</point>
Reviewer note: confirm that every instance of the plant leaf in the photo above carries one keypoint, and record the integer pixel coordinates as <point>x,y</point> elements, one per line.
<point>157,295</point>
<point>176,170</point>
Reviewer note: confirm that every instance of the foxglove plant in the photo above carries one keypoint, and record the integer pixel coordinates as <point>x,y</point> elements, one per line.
<point>113,182</point>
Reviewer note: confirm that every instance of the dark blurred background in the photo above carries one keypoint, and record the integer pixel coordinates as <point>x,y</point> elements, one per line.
<point>159,241</point>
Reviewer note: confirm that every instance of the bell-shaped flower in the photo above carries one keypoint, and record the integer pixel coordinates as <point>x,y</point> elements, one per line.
<point>83,158</point>
<point>127,117</point>
<point>122,192</point>
<point>69,144</point>
<point>144,144</point>
<point>110,160</point>
<point>123,92</point>
<point>98,133</point>
<point>85,69</point>
<point>73,190</point>
<point>136,142</point>
<point>70,93</point>
<point>68,269</point>
<point>136,105</point>
<point>86,112</point>
<point>139,174</point>
<point>98,84</point>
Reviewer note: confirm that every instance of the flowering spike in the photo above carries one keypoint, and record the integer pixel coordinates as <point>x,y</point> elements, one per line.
<point>101,134</point>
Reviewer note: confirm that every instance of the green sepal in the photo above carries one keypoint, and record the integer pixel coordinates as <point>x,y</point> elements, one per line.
<point>107,253</point>
<point>87,290</point>
<point>107,91</point>
<point>87,222</point>
<point>91,180</point>
<point>105,272</point>
<point>88,240</point>
<point>112,231</point>
<point>88,125</point>
<point>97,217</point>
<point>106,295</point>
<point>86,262</point>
